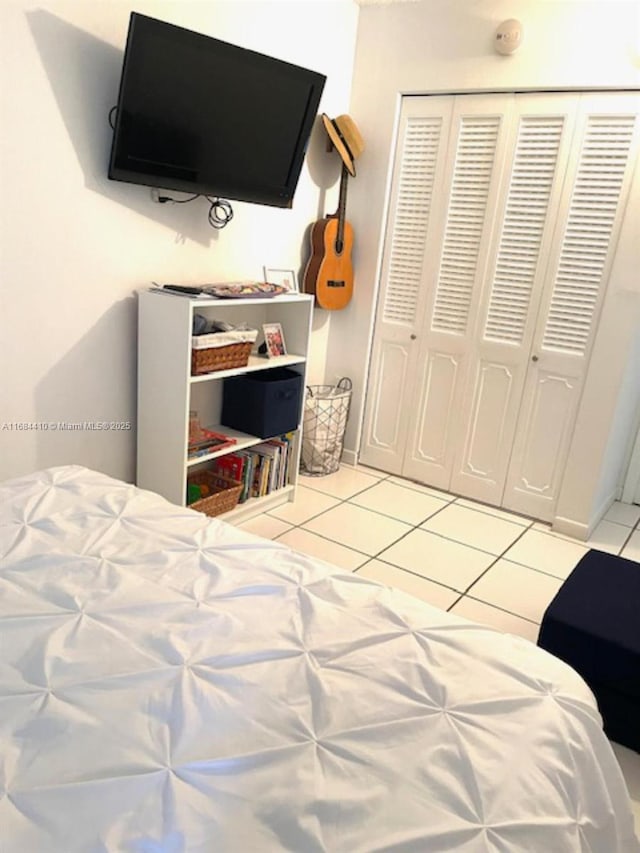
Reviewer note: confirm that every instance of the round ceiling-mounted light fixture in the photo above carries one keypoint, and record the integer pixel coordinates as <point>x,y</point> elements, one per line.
<point>508,36</point>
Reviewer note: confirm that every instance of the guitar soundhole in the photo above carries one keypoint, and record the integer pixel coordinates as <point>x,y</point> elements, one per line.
<point>334,283</point>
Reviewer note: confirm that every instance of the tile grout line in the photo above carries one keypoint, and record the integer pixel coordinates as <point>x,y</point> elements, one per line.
<point>475,507</point>
<point>464,596</point>
<point>629,537</point>
<point>434,533</point>
<point>479,508</point>
<point>585,542</point>
<point>413,574</point>
<point>460,598</point>
<point>453,499</point>
<point>440,536</point>
<point>529,527</point>
<point>461,595</point>
<point>498,607</point>
<point>418,526</point>
<point>482,574</point>
<point>349,499</point>
<point>370,557</point>
<point>322,512</point>
<point>424,490</point>
<point>413,527</point>
<point>340,501</point>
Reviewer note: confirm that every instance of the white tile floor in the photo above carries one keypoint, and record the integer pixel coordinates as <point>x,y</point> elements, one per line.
<point>482,563</point>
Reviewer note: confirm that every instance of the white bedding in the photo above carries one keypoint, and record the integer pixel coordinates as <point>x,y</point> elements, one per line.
<point>170,683</point>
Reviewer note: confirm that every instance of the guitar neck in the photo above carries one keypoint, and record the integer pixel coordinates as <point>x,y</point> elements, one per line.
<point>342,208</point>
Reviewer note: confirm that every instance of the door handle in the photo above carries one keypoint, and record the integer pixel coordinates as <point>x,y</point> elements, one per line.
<point>413,337</point>
<point>534,358</point>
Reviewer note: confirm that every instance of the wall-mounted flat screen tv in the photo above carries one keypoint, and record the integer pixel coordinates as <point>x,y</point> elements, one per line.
<point>200,115</point>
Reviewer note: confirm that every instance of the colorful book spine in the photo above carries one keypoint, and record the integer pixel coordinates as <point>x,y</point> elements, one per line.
<point>231,465</point>
<point>262,468</point>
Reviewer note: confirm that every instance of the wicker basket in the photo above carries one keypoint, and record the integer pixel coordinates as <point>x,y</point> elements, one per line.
<point>224,492</point>
<point>221,350</point>
<point>219,358</point>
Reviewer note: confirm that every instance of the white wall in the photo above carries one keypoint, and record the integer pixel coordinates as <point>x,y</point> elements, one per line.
<point>626,411</point>
<point>440,46</point>
<point>631,490</point>
<point>76,246</point>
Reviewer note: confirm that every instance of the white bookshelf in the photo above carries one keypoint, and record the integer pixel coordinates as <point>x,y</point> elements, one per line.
<point>167,391</point>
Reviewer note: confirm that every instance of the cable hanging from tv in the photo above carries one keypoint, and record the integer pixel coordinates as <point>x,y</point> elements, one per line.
<point>220,211</point>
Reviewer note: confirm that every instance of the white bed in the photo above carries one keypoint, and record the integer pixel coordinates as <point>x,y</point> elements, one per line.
<point>170,683</point>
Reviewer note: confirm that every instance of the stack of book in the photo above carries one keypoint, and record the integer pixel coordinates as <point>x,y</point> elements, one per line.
<point>207,442</point>
<point>261,469</point>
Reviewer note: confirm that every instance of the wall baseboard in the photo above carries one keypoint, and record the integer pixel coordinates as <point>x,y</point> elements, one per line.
<point>580,530</point>
<point>349,457</point>
<point>569,527</point>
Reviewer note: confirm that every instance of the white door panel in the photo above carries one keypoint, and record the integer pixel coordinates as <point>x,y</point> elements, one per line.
<point>591,209</point>
<point>388,418</point>
<point>417,177</point>
<point>430,459</point>
<point>537,154</point>
<point>547,419</point>
<point>485,438</point>
<point>459,243</point>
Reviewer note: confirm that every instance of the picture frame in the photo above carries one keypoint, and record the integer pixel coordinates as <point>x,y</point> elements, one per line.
<point>285,278</point>
<point>274,340</point>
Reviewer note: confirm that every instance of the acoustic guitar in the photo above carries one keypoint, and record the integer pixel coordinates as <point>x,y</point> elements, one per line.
<point>329,272</point>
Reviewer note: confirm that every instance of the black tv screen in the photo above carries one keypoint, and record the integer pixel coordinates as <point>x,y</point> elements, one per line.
<point>200,115</point>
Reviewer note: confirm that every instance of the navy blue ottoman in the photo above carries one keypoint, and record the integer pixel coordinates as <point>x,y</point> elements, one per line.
<point>593,624</point>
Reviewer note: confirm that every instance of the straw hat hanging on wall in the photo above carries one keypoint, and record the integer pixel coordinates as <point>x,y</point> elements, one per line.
<point>346,138</point>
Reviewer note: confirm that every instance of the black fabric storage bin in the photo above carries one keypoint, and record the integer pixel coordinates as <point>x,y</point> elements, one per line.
<point>620,715</point>
<point>266,403</point>
<point>593,624</point>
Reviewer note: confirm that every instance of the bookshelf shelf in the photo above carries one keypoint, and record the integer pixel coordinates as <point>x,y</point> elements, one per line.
<point>167,391</point>
<point>243,440</point>
<point>256,362</point>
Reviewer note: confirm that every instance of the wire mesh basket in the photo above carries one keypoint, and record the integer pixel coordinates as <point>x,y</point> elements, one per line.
<point>326,411</point>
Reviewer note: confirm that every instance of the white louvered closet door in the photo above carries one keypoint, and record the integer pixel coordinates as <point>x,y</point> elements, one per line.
<point>458,247</point>
<point>498,248</point>
<point>603,155</point>
<point>417,179</point>
<point>536,159</point>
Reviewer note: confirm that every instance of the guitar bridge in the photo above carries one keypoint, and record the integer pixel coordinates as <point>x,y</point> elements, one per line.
<point>335,283</point>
